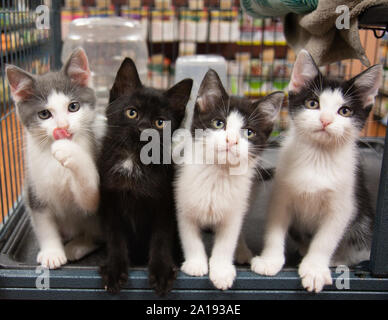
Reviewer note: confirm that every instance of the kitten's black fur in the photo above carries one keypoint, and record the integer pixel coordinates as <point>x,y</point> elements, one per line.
<point>359,232</point>
<point>137,208</point>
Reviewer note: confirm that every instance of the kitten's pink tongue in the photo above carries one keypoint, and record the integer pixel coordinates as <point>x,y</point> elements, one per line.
<point>59,133</point>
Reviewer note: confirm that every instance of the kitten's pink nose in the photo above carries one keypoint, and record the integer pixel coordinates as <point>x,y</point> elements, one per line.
<point>231,141</point>
<point>325,122</point>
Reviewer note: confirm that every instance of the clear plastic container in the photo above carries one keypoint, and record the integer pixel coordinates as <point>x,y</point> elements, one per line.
<point>107,41</point>
<point>195,67</point>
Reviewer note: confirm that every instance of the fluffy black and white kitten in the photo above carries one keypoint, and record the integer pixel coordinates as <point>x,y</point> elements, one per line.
<point>216,193</point>
<point>137,206</point>
<point>319,192</point>
<point>63,131</point>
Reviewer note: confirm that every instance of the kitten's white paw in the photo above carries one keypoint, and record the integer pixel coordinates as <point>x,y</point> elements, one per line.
<point>77,249</point>
<point>222,275</point>
<point>243,256</point>
<point>314,275</point>
<point>63,151</point>
<point>267,265</point>
<point>195,267</point>
<point>51,258</point>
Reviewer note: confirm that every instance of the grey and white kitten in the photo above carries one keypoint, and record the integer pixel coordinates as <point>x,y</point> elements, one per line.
<point>63,132</point>
<point>216,193</point>
<point>319,194</point>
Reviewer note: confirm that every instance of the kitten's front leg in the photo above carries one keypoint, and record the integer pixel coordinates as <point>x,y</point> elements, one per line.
<point>272,258</point>
<point>52,254</point>
<point>85,182</point>
<point>222,272</point>
<point>114,272</point>
<point>161,267</point>
<point>195,263</point>
<point>314,268</point>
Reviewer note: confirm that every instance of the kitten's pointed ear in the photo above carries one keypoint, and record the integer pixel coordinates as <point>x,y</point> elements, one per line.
<point>77,67</point>
<point>20,82</point>
<point>211,92</point>
<point>368,83</point>
<point>178,96</point>
<point>270,105</point>
<point>127,79</point>
<point>304,70</point>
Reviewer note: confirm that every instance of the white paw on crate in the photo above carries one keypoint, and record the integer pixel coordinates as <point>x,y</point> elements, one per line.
<point>314,275</point>
<point>52,258</point>
<point>195,267</point>
<point>267,265</point>
<point>222,275</point>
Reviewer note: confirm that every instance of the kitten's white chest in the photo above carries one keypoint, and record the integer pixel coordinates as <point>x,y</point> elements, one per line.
<point>209,194</point>
<point>313,178</point>
<point>307,170</point>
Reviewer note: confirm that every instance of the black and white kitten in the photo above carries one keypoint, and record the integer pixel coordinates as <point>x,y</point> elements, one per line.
<point>216,193</point>
<point>319,192</point>
<point>63,131</point>
<point>137,206</point>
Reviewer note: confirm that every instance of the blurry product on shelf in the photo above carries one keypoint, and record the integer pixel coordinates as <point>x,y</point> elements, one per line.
<point>164,26</point>
<point>138,14</point>
<point>135,3</point>
<point>196,4</point>
<point>193,25</point>
<point>159,72</point>
<point>105,53</point>
<point>268,54</point>
<point>224,26</point>
<point>68,14</point>
<point>187,48</point>
<point>226,4</point>
<point>15,19</point>
<point>257,31</point>
<point>16,40</point>
<point>73,3</point>
<point>101,12</point>
<point>163,4</point>
<point>103,4</point>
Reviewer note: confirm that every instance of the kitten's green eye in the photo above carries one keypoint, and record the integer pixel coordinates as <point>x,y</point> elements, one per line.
<point>74,106</point>
<point>345,112</point>
<point>249,133</point>
<point>160,124</point>
<point>131,113</point>
<point>44,114</point>
<point>311,104</point>
<point>218,124</point>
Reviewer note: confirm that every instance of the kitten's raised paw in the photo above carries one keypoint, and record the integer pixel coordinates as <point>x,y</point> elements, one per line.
<point>195,267</point>
<point>51,258</point>
<point>161,278</point>
<point>222,275</point>
<point>63,151</point>
<point>314,276</point>
<point>267,265</point>
<point>112,281</point>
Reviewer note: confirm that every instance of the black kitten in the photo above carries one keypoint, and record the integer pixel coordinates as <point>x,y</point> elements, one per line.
<point>137,206</point>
